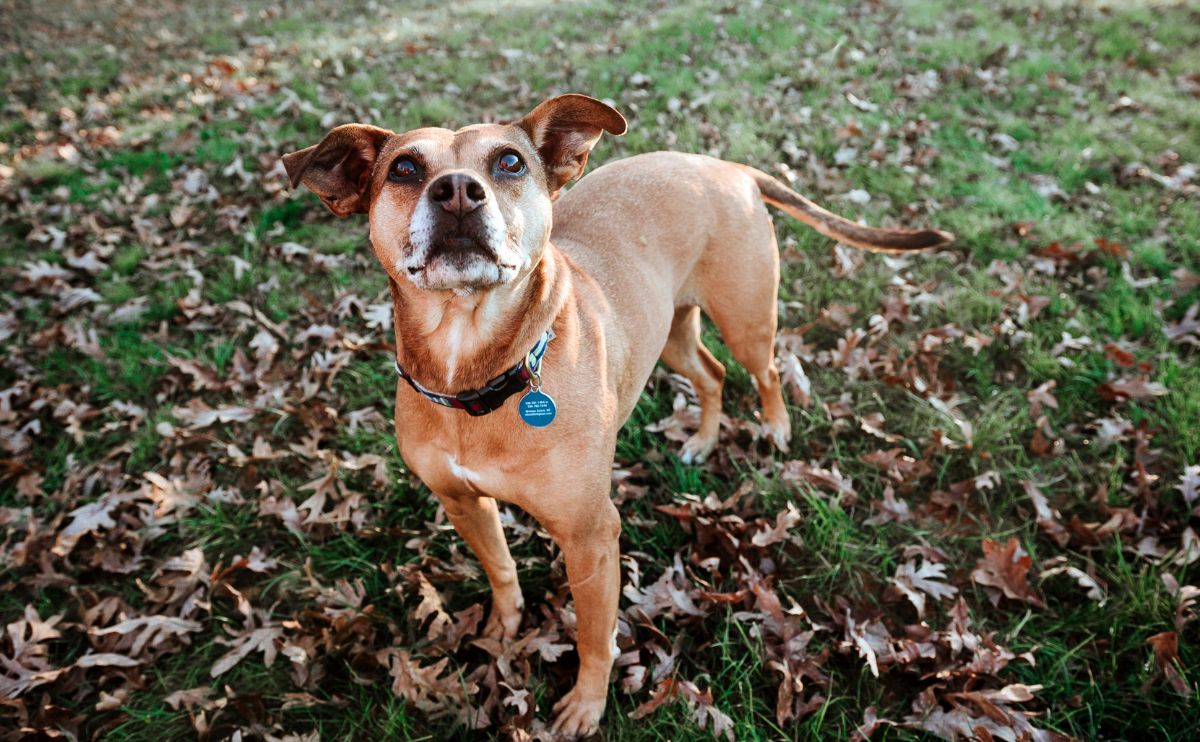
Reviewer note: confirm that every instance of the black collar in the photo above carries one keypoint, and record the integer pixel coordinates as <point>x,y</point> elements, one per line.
<point>479,402</point>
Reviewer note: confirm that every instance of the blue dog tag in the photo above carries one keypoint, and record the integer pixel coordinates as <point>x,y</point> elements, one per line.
<point>537,409</point>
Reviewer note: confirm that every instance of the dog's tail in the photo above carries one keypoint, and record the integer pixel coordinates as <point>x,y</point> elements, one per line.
<point>842,229</point>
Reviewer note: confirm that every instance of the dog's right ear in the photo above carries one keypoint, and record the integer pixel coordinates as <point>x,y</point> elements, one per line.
<point>338,169</point>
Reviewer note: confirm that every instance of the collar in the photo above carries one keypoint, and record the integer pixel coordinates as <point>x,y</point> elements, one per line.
<point>478,402</point>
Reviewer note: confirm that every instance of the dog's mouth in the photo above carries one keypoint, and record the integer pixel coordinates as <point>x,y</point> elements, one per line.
<point>459,252</point>
<point>461,260</point>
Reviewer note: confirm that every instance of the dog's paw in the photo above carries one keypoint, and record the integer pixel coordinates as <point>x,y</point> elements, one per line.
<point>697,449</point>
<point>576,715</point>
<point>780,434</point>
<point>503,624</point>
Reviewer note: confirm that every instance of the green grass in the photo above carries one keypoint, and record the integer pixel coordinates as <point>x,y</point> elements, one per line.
<point>761,84</point>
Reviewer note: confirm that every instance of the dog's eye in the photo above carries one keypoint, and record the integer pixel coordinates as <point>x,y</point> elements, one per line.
<point>511,163</point>
<point>405,169</point>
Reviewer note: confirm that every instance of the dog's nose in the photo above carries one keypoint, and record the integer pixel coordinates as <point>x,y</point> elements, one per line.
<point>457,193</point>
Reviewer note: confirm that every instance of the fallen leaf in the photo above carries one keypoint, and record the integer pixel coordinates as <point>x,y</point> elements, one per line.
<point>1006,567</point>
<point>917,582</point>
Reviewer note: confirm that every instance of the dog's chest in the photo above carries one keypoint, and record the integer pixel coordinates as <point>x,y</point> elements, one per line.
<point>466,475</point>
<point>450,472</point>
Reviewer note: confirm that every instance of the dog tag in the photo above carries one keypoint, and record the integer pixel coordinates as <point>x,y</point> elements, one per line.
<point>537,409</point>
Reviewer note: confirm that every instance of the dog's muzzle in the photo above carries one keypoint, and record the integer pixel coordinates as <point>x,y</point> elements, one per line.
<point>458,236</point>
<point>460,222</point>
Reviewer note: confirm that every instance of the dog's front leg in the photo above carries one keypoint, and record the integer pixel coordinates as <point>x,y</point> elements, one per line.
<point>478,522</point>
<point>587,529</point>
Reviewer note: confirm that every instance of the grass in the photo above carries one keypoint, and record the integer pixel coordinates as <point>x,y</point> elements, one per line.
<point>755,83</point>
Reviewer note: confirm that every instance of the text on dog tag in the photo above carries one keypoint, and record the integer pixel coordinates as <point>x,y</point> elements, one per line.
<point>537,409</point>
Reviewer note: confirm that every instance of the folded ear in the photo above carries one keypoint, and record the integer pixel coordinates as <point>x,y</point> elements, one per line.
<point>338,169</point>
<point>564,130</point>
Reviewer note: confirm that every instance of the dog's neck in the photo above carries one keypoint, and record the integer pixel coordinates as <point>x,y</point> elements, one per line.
<point>452,342</point>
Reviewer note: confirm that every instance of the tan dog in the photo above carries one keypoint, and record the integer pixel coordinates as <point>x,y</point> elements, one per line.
<point>483,260</point>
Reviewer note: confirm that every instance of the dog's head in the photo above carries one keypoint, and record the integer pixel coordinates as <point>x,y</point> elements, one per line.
<point>457,210</point>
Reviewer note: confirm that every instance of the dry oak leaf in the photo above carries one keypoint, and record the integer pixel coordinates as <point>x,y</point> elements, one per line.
<point>889,509</point>
<point>1125,388</point>
<point>421,685</point>
<point>675,427</point>
<point>1166,656</point>
<point>90,518</point>
<point>995,719</point>
<point>785,520</point>
<point>1185,599</point>
<point>701,703</point>
<point>1187,329</point>
<point>261,639</point>
<point>793,378</point>
<point>1058,566</point>
<point>431,605</point>
<point>1189,484</point>
<point>106,659</point>
<point>28,665</point>
<point>199,415</point>
<point>111,701</point>
<point>1006,567</point>
<point>899,467</point>
<point>915,582</point>
<point>830,480</point>
<point>151,630</point>
<point>1048,518</point>
<point>188,698</point>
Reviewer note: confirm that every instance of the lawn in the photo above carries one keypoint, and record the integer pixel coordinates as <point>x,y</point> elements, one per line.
<point>986,525</point>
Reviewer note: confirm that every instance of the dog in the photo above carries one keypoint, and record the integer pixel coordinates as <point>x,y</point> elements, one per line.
<point>528,319</point>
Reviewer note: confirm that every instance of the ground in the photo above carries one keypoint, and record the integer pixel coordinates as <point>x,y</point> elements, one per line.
<point>985,523</point>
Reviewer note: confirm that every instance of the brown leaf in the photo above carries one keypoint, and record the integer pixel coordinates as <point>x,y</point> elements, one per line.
<point>680,424</point>
<point>1114,249</point>
<point>785,520</point>
<point>1187,329</point>
<point>915,582</point>
<point>106,659</point>
<point>991,718</point>
<point>1006,568</point>
<point>188,698</point>
<point>1048,519</point>
<point>1166,657</point>
<point>813,474</point>
<point>1125,388</point>
<point>1189,484</point>
<point>902,468</point>
<point>706,715</point>
<point>430,605</point>
<point>421,685</point>
<point>889,509</point>
<point>838,315</point>
<point>112,701</point>
<point>873,423</point>
<point>1059,566</point>
<point>149,631</point>
<point>793,378</point>
<point>260,639</point>
<point>1042,396</point>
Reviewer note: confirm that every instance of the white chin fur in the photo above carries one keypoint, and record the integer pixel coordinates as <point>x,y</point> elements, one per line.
<point>436,274</point>
<point>478,273</point>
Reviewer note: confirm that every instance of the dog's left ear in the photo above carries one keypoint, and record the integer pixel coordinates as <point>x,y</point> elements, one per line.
<point>564,130</point>
<point>338,169</point>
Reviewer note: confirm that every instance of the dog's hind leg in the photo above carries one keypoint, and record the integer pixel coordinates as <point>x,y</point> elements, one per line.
<point>741,299</point>
<point>758,356</point>
<point>478,522</point>
<point>686,354</point>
